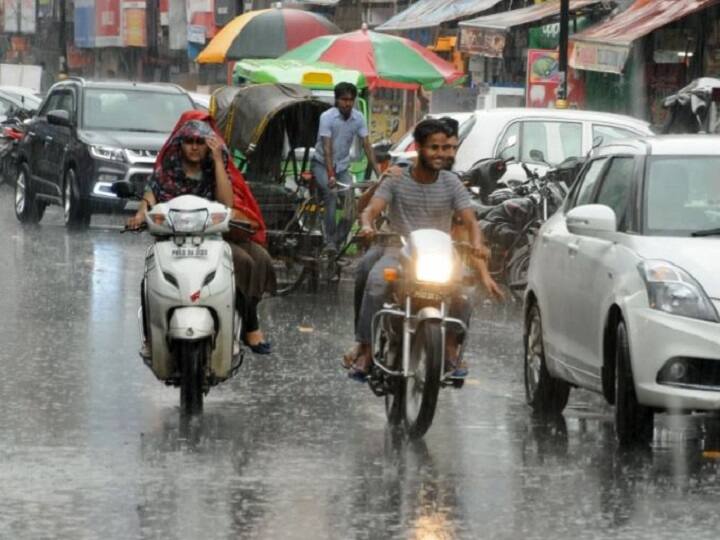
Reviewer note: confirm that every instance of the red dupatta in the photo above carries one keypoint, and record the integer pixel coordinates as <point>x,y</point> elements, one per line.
<point>244,201</point>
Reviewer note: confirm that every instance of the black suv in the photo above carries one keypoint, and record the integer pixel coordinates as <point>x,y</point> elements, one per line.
<point>88,135</point>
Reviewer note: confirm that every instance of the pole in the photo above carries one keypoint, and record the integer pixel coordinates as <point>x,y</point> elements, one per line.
<point>562,96</point>
<point>62,40</point>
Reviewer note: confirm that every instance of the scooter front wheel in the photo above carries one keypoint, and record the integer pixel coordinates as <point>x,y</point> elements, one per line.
<point>422,384</point>
<point>192,356</point>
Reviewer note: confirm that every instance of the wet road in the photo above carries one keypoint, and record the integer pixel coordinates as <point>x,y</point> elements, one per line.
<point>92,446</point>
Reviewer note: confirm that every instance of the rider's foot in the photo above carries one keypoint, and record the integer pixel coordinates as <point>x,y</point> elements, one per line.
<point>256,341</point>
<point>361,367</point>
<point>351,356</point>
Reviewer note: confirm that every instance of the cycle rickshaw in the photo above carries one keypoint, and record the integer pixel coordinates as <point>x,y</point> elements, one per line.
<point>271,130</point>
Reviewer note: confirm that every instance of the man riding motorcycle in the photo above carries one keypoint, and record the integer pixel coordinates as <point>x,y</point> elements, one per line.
<point>425,196</point>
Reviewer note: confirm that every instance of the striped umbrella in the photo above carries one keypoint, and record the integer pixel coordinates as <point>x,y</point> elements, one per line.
<point>386,61</point>
<point>265,33</point>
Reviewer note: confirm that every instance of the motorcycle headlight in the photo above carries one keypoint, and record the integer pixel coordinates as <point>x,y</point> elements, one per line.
<point>672,290</point>
<point>433,268</point>
<point>111,153</point>
<point>188,221</point>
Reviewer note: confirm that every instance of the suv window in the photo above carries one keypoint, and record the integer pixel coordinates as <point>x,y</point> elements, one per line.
<point>616,189</point>
<point>611,133</point>
<point>586,185</point>
<point>59,100</point>
<point>556,140</point>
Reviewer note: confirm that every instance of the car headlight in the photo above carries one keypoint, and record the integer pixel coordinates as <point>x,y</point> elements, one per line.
<point>673,290</point>
<point>110,153</point>
<point>188,221</point>
<point>433,268</point>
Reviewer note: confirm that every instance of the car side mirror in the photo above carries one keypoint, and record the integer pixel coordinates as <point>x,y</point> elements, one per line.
<point>590,219</point>
<point>123,189</point>
<point>59,118</point>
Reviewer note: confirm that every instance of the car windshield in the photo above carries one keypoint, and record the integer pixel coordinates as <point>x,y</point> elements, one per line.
<point>682,195</point>
<point>133,110</point>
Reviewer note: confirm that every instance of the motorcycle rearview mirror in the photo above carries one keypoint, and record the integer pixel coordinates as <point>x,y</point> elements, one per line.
<point>123,189</point>
<point>395,125</point>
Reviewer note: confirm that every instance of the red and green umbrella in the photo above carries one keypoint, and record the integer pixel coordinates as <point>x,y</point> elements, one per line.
<point>265,33</point>
<point>386,61</point>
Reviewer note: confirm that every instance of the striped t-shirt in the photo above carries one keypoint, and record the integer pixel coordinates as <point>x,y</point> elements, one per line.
<point>413,206</point>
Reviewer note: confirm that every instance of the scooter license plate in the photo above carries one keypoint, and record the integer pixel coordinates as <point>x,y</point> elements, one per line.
<point>185,252</point>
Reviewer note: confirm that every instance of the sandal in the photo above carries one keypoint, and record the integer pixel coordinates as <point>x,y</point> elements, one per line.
<point>358,374</point>
<point>350,357</point>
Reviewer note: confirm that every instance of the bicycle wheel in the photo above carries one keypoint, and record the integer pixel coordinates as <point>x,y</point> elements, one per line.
<point>297,256</point>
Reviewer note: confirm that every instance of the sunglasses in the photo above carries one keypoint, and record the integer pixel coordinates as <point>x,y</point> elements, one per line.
<point>199,141</point>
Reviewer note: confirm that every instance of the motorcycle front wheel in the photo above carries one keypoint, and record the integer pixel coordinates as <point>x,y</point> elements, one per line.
<point>192,356</point>
<point>422,385</point>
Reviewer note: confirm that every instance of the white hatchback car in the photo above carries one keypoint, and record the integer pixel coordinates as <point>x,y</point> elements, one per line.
<point>557,134</point>
<point>623,287</point>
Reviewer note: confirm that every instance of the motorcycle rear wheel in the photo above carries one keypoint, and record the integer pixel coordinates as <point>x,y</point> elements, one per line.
<point>422,385</point>
<point>192,356</point>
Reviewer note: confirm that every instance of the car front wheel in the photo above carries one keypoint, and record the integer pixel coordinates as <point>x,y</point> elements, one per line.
<point>77,215</point>
<point>27,208</point>
<point>547,395</point>
<point>633,422</point>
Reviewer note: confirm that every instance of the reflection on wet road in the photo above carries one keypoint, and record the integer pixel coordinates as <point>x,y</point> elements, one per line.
<point>93,447</point>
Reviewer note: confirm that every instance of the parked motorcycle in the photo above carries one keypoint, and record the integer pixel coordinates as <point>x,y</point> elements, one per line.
<point>409,334</point>
<point>511,227</point>
<point>12,131</point>
<point>694,108</point>
<point>187,313</point>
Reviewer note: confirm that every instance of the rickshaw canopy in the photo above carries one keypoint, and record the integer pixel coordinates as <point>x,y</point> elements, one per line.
<point>266,123</point>
<point>315,75</point>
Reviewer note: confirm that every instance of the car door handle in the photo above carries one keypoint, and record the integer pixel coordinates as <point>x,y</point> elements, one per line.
<point>573,249</point>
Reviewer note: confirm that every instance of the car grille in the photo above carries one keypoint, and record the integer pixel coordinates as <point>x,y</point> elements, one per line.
<point>135,154</point>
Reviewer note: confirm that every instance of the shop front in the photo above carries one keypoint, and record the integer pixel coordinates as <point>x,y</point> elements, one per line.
<point>634,60</point>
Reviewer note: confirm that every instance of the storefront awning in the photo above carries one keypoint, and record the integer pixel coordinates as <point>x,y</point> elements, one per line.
<point>427,13</point>
<point>486,35</point>
<point>606,46</point>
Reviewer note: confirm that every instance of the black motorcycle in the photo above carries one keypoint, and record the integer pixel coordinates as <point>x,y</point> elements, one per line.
<point>409,334</point>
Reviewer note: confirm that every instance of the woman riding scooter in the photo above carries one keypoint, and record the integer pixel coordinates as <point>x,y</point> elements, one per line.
<point>195,161</point>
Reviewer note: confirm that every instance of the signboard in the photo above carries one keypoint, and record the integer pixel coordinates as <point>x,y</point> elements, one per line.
<point>164,15</point>
<point>543,80</point>
<point>84,23</point>
<point>482,41</point>
<point>107,23</point>
<point>599,57</point>
<point>196,33</point>
<point>134,24</point>
<point>547,36</point>
<point>20,16</point>
<point>202,13</point>
<point>26,76</point>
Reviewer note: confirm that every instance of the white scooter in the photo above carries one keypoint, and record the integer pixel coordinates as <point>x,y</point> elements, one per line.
<point>188,315</point>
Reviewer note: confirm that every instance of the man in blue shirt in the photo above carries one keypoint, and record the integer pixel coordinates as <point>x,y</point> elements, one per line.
<point>338,128</point>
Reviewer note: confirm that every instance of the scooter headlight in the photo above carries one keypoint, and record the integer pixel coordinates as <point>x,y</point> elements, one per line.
<point>433,268</point>
<point>188,221</point>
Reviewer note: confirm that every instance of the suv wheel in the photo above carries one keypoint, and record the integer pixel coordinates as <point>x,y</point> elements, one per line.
<point>546,394</point>
<point>27,208</point>
<point>77,215</point>
<point>633,422</point>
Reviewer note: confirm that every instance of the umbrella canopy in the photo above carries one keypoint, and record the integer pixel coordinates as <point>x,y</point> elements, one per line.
<point>387,61</point>
<point>265,33</point>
